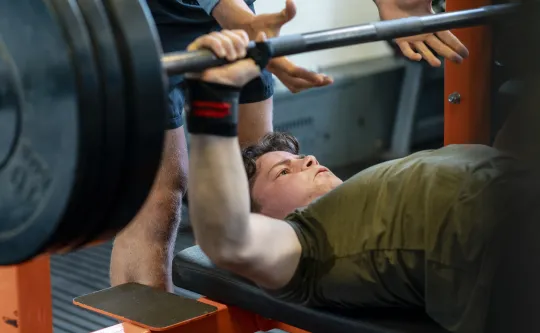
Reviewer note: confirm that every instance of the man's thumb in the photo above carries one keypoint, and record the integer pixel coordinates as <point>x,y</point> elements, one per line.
<point>287,14</point>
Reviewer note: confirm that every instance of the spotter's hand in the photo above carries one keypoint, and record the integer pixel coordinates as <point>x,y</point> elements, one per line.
<point>419,47</point>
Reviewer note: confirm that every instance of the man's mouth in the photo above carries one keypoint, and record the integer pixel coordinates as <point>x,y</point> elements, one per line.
<point>322,170</point>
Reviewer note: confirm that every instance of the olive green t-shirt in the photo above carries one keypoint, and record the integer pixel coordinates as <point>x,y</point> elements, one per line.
<point>411,232</point>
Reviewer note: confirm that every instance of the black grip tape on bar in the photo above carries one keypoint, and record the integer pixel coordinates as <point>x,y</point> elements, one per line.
<point>261,53</point>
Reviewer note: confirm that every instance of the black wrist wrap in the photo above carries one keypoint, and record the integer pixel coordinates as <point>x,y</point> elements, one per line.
<point>211,108</point>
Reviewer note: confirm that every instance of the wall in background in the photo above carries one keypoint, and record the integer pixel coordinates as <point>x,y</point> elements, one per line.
<point>314,15</point>
<point>349,122</point>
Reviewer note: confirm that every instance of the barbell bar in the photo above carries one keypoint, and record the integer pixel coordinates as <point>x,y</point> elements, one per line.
<point>83,107</point>
<point>182,62</point>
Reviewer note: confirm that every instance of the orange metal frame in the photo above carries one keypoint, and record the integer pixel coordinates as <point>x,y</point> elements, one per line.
<point>469,121</point>
<point>227,319</point>
<point>25,297</point>
<point>25,291</point>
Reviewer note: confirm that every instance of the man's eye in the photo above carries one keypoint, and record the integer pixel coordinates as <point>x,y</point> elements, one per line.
<point>283,172</point>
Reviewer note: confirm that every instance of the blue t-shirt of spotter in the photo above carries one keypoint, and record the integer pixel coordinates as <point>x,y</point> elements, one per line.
<point>183,11</point>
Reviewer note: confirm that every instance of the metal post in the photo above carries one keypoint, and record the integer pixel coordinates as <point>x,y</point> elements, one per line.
<point>405,120</point>
<point>467,86</point>
<point>25,297</point>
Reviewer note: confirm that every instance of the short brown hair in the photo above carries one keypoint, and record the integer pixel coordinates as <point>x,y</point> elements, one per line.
<point>275,141</point>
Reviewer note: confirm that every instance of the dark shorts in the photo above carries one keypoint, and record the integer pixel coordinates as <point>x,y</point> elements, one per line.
<point>176,37</point>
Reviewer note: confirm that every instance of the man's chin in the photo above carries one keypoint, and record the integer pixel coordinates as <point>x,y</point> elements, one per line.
<point>332,181</point>
<point>322,192</point>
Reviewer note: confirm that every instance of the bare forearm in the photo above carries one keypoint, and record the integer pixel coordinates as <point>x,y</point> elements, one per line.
<point>218,194</point>
<point>233,14</point>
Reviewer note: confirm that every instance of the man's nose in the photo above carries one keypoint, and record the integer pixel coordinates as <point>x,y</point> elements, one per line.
<point>309,161</point>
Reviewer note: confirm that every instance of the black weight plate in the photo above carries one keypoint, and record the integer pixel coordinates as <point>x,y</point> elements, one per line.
<point>86,197</point>
<point>38,100</point>
<point>112,83</point>
<point>140,51</point>
<point>9,100</point>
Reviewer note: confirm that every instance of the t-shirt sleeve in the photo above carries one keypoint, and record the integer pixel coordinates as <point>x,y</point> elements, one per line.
<point>315,260</point>
<point>208,5</point>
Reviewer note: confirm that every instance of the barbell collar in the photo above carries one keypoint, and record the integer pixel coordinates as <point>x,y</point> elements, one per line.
<point>194,61</point>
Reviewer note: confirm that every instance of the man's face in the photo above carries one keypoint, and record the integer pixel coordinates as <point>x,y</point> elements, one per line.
<point>286,181</point>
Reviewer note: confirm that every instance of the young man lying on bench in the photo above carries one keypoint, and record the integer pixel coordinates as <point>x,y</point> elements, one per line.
<point>413,232</point>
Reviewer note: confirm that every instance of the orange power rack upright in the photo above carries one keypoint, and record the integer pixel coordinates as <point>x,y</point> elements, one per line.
<point>468,86</point>
<point>25,297</point>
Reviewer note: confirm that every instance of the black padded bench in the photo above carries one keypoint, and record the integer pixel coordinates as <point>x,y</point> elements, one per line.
<point>193,271</point>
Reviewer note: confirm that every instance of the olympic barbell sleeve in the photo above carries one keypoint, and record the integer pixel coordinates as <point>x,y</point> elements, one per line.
<point>182,62</point>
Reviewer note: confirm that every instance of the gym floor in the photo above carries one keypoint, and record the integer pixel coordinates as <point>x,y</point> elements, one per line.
<point>83,272</point>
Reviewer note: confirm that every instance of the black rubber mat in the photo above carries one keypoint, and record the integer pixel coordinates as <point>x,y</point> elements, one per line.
<point>83,272</point>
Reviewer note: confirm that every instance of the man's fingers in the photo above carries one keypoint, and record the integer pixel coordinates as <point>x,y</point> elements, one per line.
<point>227,45</point>
<point>443,50</point>
<point>296,78</point>
<point>453,42</point>
<point>326,80</point>
<point>240,72</point>
<point>238,42</point>
<point>208,42</point>
<point>261,37</point>
<point>444,43</point>
<point>408,52</point>
<point>242,34</point>
<point>247,68</point>
<point>427,54</point>
<point>304,74</point>
<point>231,45</point>
<point>236,74</point>
<point>289,12</point>
<point>296,85</point>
